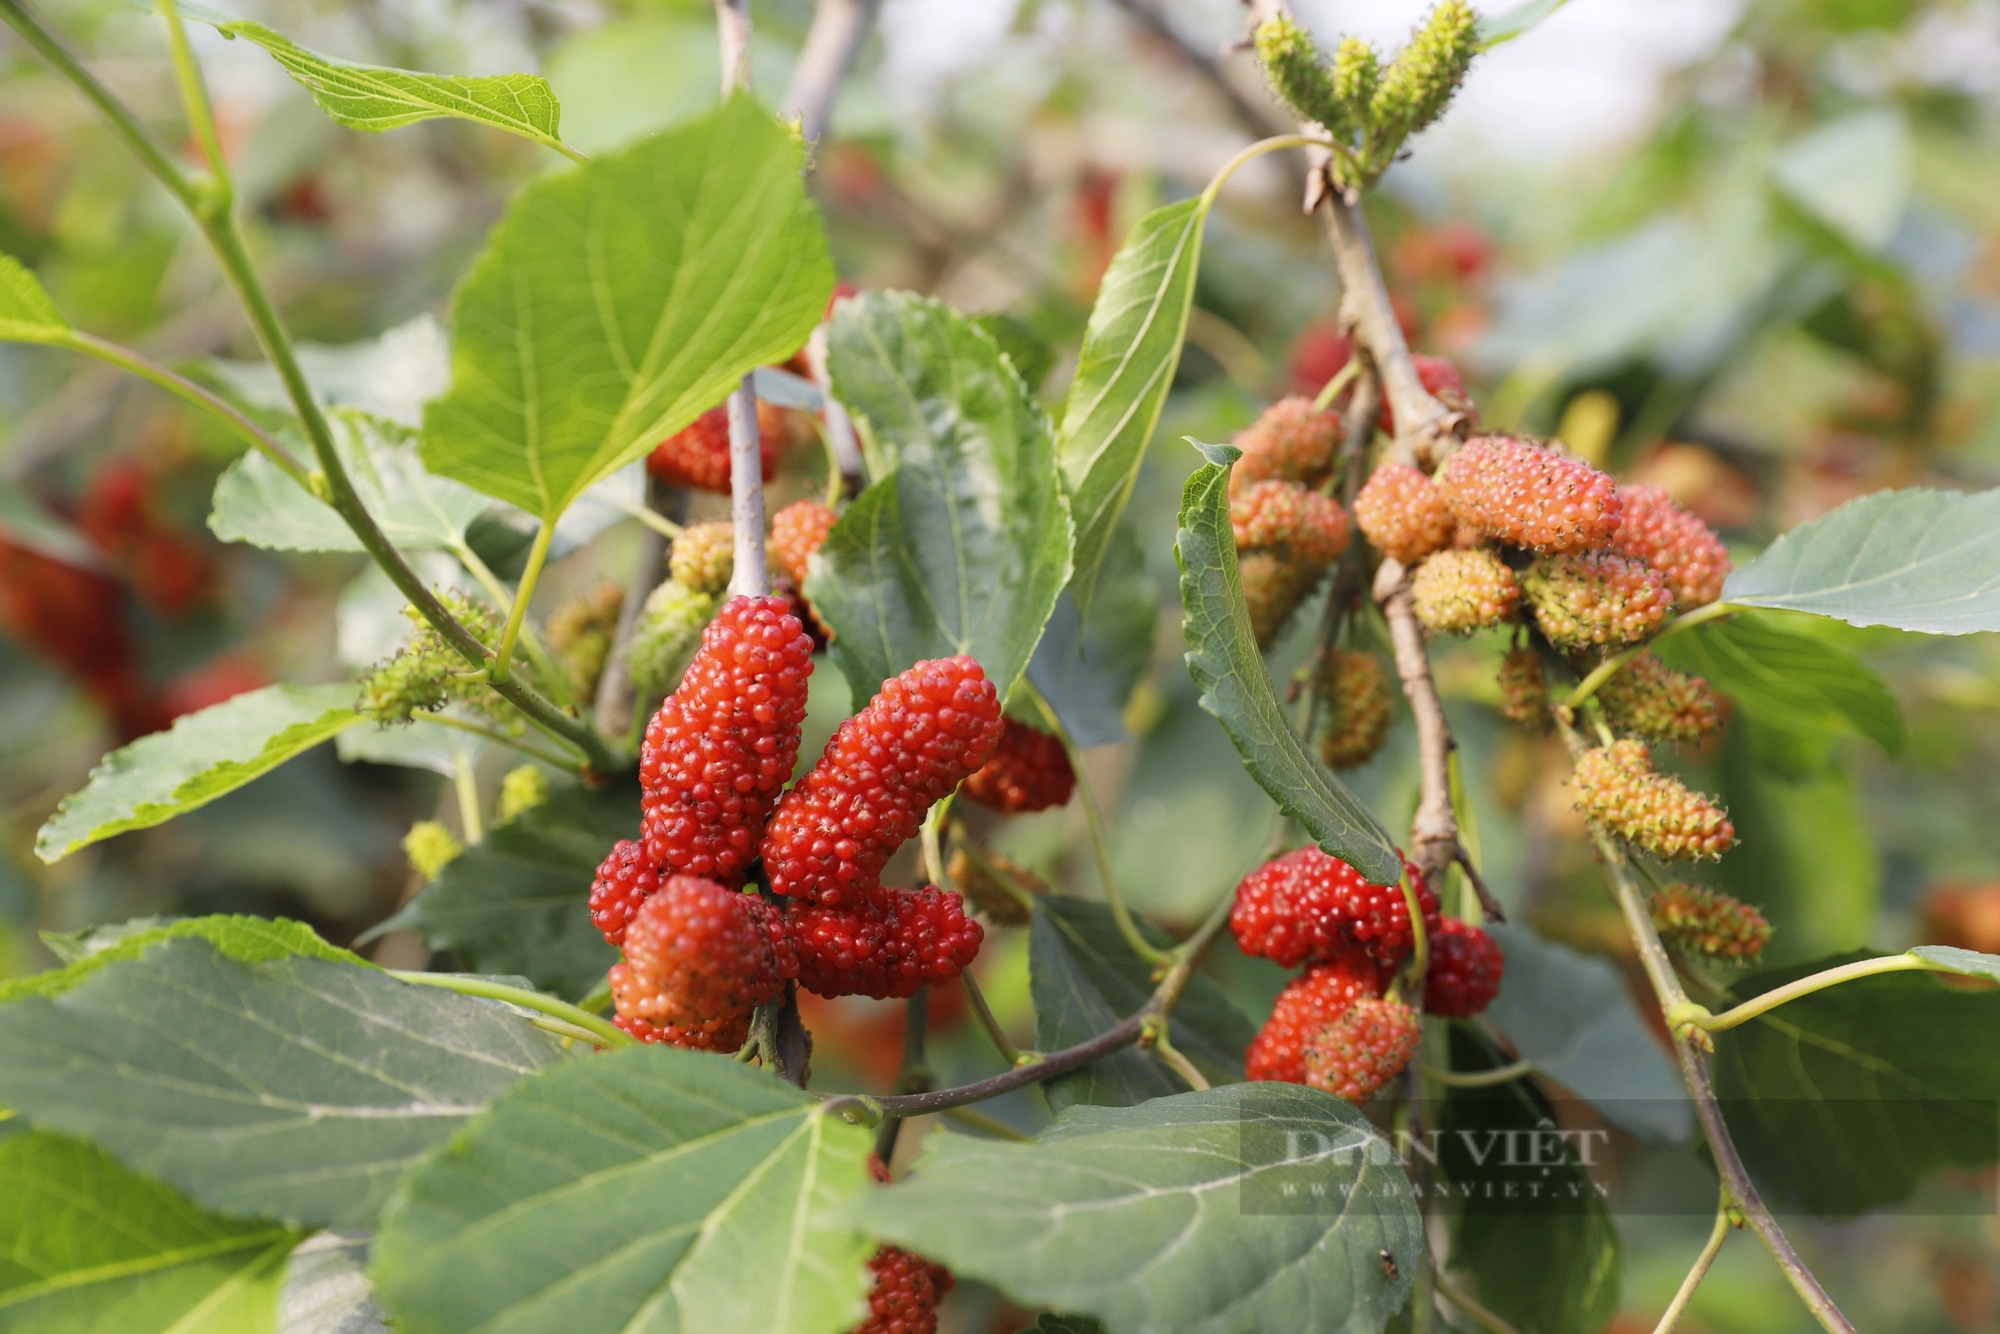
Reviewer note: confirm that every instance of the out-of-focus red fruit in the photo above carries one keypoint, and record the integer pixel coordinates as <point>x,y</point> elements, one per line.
<point>120,516</point>
<point>75,619</point>
<point>1967,916</point>
<point>1318,353</point>
<point>217,681</point>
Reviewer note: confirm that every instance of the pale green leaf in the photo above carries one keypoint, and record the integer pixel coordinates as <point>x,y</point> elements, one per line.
<point>371,97</point>
<point>391,375</point>
<point>297,1088</point>
<point>1088,670</point>
<point>1918,560</point>
<point>327,1289</point>
<point>257,503</point>
<point>647,1191</point>
<point>1970,963</point>
<point>1789,680</point>
<point>245,939</point>
<point>1244,1208</point>
<point>617,302</point>
<point>26,313</point>
<point>1131,348</point>
<point>1511,23</point>
<point>963,543</point>
<point>1851,173</point>
<point>201,757</point>
<point>87,1246</point>
<point>1222,658</point>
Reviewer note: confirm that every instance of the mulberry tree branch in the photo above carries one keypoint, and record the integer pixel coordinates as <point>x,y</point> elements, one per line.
<point>839,27</point>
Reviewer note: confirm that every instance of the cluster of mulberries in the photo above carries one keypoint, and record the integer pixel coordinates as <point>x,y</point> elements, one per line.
<point>907,1288</point>
<point>1457,592</point>
<point>1524,691</point>
<point>1648,699</point>
<point>879,941</point>
<point>1402,514</point>
<point>1523,495</point>
<point>698,959</point>
<point>1028,771</point>
<point>697,455</point>
<point>1596,599</point>
<point>1291,442</point>
<point>1709,923</point>
<point>1309,1002</point>
<point>1354,688</point>
<point>1618,791</point>
<point>703,558</point>
<point>1674,542</point>
<point>1309,907</point>
<point>1286,537</point>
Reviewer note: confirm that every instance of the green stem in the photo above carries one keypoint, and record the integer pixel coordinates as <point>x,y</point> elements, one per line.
<point>1479,1079</point>
<point>1176,1062</point>
<point>531,574</point>
<point>188,392</point>
<point>467,785</point>
<point>1605,670</point>
<point>1339,381</point>
<point>563,1030</point>
<point>1679,1305</point>
<point>932,845</point>
<point>1100,841</point>
<point>1254,151</point>
<point>1690,1013</point>
<point>201,115</point>
<point>988,1021</point>
<point>1458,1297</point>
<point>1412,979</point>
<point>602,1032</point>
<point>532,642</point>
<point>492,734</point>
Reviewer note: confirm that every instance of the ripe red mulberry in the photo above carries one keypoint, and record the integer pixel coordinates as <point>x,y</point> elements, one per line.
<point>625,880</point>
<point>697,455</point>
<point>1596,598</point>
<point>1354,687</point>
<point>1028,771</point>
<point>1707,922</point>
<point>720,749</point>
<point>1674,542</point>
<point>698,959</point>
<point>917,740</point>
<point>1465,971</point>
<point>1309,1002</point>
<point>1363,1049</point>
<point>1307,907</point>
<point>797,531</point>
<point>1457,592</point>
<point>1646,698</point>
<point>1441,378</point>
<point>883,942</point>
<point>1527,496</point>
<point>1402,513</point>
<point>1618,791</point>
<point>906,1294</point>
<point>1292,442</point>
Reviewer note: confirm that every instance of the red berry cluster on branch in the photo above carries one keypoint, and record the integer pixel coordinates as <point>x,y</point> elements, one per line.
<point>1465,970</point>
<point>697,455</point>
<point>1307,907</point>
<point>1029,771</point>
<point>698,959</point>
<point>1309,1002</point>
<point>907,1287</point>
<point>883,942</point>
<point>1364,1048</point>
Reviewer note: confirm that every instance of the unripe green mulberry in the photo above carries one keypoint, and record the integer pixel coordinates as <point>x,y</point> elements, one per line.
<point>1524,691</point>
<point>1703,921</point>
<point>666,635</point>
<point>1618,791</point>
<point>704,557</point>
<point>1297,74</point>
<point>524,788</point>
<point>1356,72</point>
<point>1421,80</point>
<point>1355,689</point>
<point>1646,698</point>
<point>1457,592</point>
<point>430,848</point>
<point>423,676</point>
<point>1596,598</point>
<point>581,631</point>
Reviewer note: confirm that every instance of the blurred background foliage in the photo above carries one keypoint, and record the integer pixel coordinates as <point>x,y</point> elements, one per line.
<point>1746,249</point>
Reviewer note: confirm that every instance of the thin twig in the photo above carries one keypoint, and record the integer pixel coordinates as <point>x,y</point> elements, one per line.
<point>751,576</point>
<point>913,1074</point>
<point>1606,669</point>
<point>1479,1079</point>
<point>1487,903</point>
<point>733,30</point>
<point>1679,1305</point>
<point>839,28</point>
<point>988,1022</point>
<point>1434,831</point>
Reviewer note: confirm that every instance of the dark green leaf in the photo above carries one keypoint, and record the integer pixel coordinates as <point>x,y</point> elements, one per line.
<point>1787,679</point>
<point>245,939</point>
<point>963,543</point>
<point>1918,560</point>
<point>1846,1099</point>
<point>1539,1241</point>
<point>1085,979</point>
<point>201,757</point>
<point>297,1088</point>
<point>1087,672</point>
<point>86,1245</point>
<point>518,901</point>
<point>646,1191</point>
<point>1250,1207</point>
<point>617,302</point>
<point>1222,658</point>
<point>1571,1015</point>
<point>1130,351</point>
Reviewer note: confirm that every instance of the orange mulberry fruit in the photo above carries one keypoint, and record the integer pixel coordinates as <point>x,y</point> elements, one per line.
<point>1457,592</point>
<point>1402,513</point>
<point>1596,598</point>
<point>1292,442</point>
<point>1363,1049</point>
<point>1674,542</point>
<point>1528,496</point>
<point>1618,791</point>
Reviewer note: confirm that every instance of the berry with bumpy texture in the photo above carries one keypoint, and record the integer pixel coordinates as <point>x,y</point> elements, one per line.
<point>1465,970</point>
<point>1596,598</point>
<point>1420,82</point>
<point>1309,528</point>
<point>421,678</point>
<point>992,885</point>
<point>704,556</point>
<point>1291,442</point>
<point>1646,698</point>
<point>431,847</point>
<point>1355,689</point>
<point>1705,922</point>
<point>626,878</point>
<point>1309,1002</point>
<point>698,959</point>
<point>906,1294</point>
<point>882,942</point>
<point>1527,496</point>
<point>1457,592</point>
<point>1674,542</point>
<point>1297,74</point>
<point>1443,382</point>
<point>1402,514</point>
<point>697,455</point>
<point>666,635</point>
<point>1363,1049</point>
<point>1273,589</point>
<point>797,531</point>
<point>1028,771</point>
<point>1524,691</point>
<point>924,734</point>
<point>1307,907</point>
<point>1618,791</point>
<point>722,746</point>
